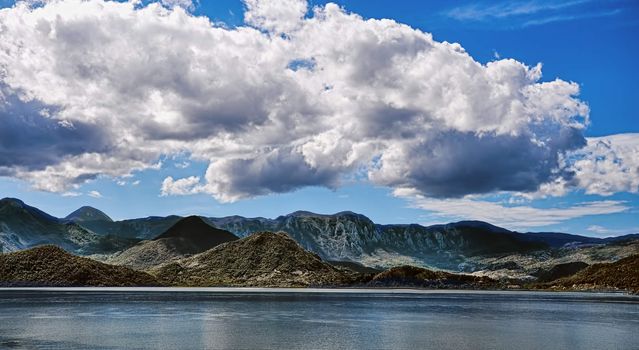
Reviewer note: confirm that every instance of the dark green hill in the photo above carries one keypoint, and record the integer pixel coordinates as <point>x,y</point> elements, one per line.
<point>52,266</point>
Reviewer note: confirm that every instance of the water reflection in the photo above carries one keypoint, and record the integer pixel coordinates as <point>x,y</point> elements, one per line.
<point>62,319</point>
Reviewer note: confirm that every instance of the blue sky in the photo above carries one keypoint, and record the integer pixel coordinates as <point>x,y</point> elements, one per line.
<point>591,43</point>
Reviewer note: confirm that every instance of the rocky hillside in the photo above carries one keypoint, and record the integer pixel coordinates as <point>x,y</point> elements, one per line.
<point>560,271</point>
<point>348,236</point>
<point>622,274</point>
<point>188,236</point>
<point>411,276</point>
<point>23,226</point>
<point>263,259</point>
<point>52,266</point>
<point>557,262</point>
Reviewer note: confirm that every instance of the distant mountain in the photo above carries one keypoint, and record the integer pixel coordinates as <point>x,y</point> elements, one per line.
<point>624,238</point>
<point>262,259</point>
<point>23,226</point>
<point>85,214</point>
<point>188,236</point>
<point>555,239</point>
<point>345,237</point>
<point>142,228</point>
<point>52,266</point>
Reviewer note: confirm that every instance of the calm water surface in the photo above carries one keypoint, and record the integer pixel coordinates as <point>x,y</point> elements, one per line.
<point>289,319</point>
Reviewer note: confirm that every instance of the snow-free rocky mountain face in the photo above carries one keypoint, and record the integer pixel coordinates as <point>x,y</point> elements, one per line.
<point>354,237</point>
<point>345,236</point>
<point>23,226</point>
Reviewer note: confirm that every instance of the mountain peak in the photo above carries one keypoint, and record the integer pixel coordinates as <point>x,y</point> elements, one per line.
<point>87,213</point>
<point>11,201</point>
<point>190,235</point>
<point>196,229</point>
<point>303,213</point>
<point>18,208</point>
<point>478,224</point>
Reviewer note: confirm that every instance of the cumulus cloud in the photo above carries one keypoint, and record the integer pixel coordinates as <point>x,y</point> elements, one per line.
<point>32,128</point>
<point>280,16</point>
<point>608,165</point>
<point>273,106</point>
<point>188,185</point>
<point>233,179</point>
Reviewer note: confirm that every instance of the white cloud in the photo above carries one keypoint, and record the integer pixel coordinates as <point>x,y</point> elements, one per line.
<point>598,229</point>
<point>182,165</point>
<point>608,165</point>
<point>278,16</point>
<point>189,185</point>
<point>136,83</point>
<point>608,232</point>
<point>564,18</point>
<point>480,12</point>
<point>94,194</point>
<point>521,217</point>
<point>71,194</point>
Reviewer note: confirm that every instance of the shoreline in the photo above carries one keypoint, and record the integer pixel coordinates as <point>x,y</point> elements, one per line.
<point>353,291</point>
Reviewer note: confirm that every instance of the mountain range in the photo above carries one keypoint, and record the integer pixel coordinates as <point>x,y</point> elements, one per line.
<point>23,226</point>
<point>344,237</point>
<point>298,249</point>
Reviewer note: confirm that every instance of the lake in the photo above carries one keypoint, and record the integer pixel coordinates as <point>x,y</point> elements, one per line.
<point>218,318</point>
